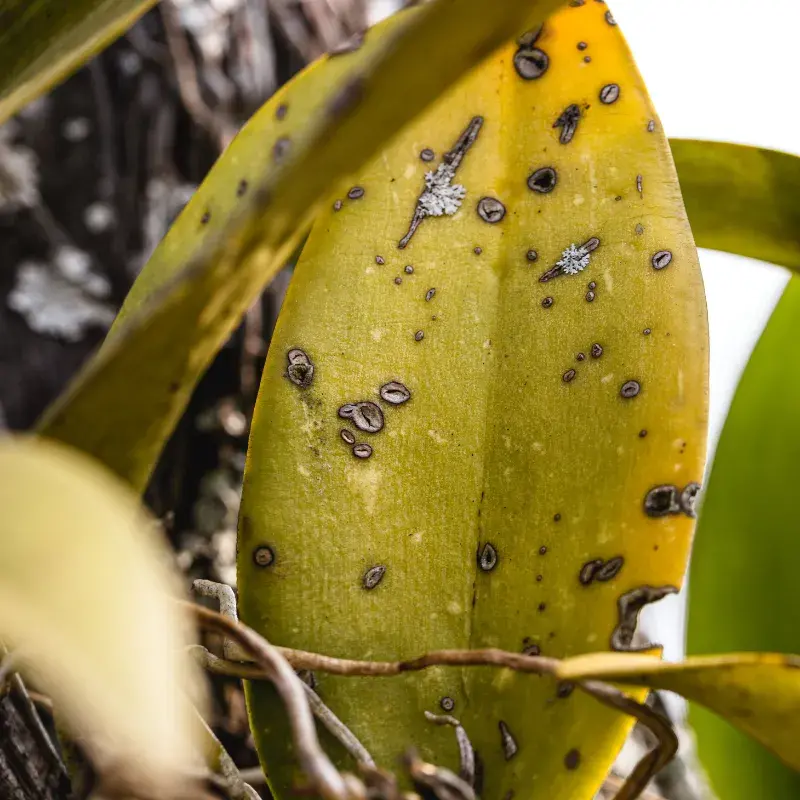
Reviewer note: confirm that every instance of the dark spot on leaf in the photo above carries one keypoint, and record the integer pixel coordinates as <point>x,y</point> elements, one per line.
<point>531,63</point>
<point>630,389</point>
<point>491,210</point>
<point>628,606</point>
<point>661,501</point>
<point>373,576</point>
<point>572,760</point>
<point>543,180</point>
<point>487,557</point>
<point>263,556</point>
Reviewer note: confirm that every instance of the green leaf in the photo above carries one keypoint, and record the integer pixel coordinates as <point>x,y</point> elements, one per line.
<point>740,199</point>
<point>759,693</point>
<point>43,41</point>
<point>519,429</point>
<point>744,590</point>
<point>84,605</point>
<point>124,405</point>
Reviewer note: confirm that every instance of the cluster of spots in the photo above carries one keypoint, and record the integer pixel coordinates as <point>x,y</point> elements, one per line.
<point>368,416</point>
<point>354,193</point>
<point>507,741</point>
<point>661,259</point>
<point>668,500</point>
<point>596,351</point>
<point>440,196</point>
<point>573,260</point>
<point>590,294</point>
<point>630,389</point>
<point>628,607</point>
<point>300,370</point>
<point>599,570</point>
<point>373,576</point>
<point>487,557</point>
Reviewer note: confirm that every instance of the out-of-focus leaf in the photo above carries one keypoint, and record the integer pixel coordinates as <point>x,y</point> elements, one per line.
<point>84,602</point>
<point>743,589</point>
<point>124,405</point>
<point>43,41</point>
<point>759,693</point>
<point>740,199</point>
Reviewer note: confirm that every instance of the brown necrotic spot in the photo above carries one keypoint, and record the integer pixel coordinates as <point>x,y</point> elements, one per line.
<point>630,389</point>
<point>366,416</point>
<point>419,336</point>
<point>587,59</point>
<point>609,93</point>
<point>398,280</point>
<point>547,302</point>
<point>531,62</point>
<point>529,38</point>
<point>639,229</point>
<point>529,648</point>
<point>688,499</point>
<point>582,45</point>
<point>609,18</point>
<point>241,188</point>
<point>337,206</point>
<point>408,269</point>
<point>507,741</point>
<point>556,517</point>
<point>394,392</point>
<point>542,550</point>
<point>568,122</point>
<point>531,255</point>
<point>592,285</point>
<point>661,259</point>
<point>347,436</point>
<point>205,219</point>
<point>281,148</point>
<point>542,180</point>
<point>491,210</point>
<point>429,294</point>
<point>362,451</point>
<point>447,704</point>
<point>427,154</point>
<point>610,569</point>
<point>586,575</point>
<point>263,556</point>
<point>487,557</point>
<point>647,331</point>
<point>597,350</point>
<point>580,357</point>
<point>661,501</point>
<point>380,260</point>
<point>568,375</point>
<point>639,184</point>
<point>356,193</point>
<point>281,110</point>
<point>642,433</point>
<point>300,370</point>
<point>572,760</point>
<point>590,296</point>
<point>628,607</point>
<point>373,576</point>
<point>564,689</point>
<point>651,126</point>
<point>477,250</point>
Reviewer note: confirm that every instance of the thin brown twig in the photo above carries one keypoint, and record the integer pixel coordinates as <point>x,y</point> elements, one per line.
<point>313,760</point>
<point>188,84</point>
<point>539,665</point>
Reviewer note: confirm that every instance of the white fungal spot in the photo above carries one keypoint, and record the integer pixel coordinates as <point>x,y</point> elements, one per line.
<point>61,303</point>
<point>573,260</point>
<point>441,196</point>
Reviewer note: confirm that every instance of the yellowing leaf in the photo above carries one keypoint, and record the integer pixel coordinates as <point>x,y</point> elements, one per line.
<point>759,693</point>
<point>742,200</point>
<point>483,427</point>
<point>84,601</point>
<point>124,405</point>
<point>43,41</point>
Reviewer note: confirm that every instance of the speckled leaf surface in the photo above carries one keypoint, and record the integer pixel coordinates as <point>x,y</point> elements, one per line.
<point>250,215</point>
<point>488,434</point>
<point>741,199</point>
<point>43,41</point>
<point>743,588</point>
<point>759,693</point>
